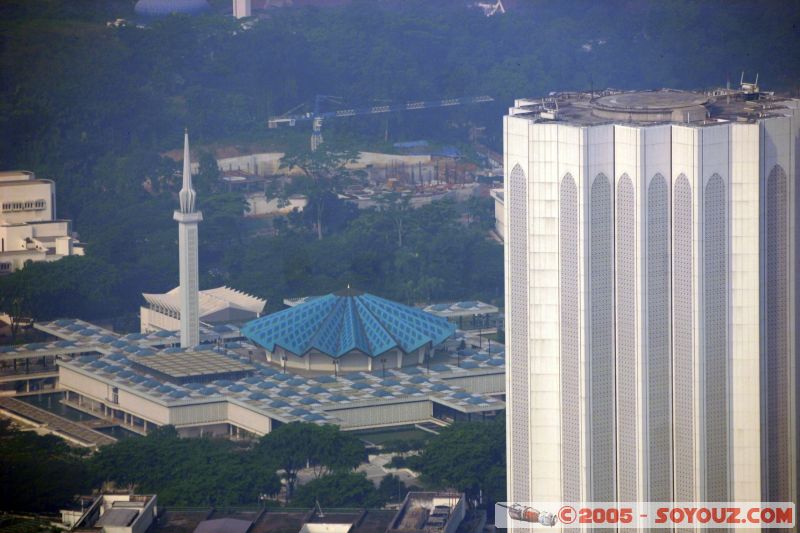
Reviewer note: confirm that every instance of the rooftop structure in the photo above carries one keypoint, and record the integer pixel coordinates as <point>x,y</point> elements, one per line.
<point>429,512</point>
<point>461,309</point>
<point>350,327</point>
<point>219,305</point>
<point>191,367</point>
<point>114,513</point>
<point>29,229</point>
<point>224,525</point>
<point>277,520</point>
<point>662,106</point>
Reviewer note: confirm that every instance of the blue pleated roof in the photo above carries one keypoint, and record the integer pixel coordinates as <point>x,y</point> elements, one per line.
<point>339,323</point>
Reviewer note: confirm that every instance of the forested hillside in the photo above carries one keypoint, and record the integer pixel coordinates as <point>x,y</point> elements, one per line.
<point>93,106</point>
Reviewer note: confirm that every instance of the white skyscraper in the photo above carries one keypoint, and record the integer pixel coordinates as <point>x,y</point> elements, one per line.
<point>188,217</point>
<point>651,252</point>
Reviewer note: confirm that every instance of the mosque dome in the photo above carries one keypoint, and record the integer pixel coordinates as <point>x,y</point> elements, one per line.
<point>158,8</point>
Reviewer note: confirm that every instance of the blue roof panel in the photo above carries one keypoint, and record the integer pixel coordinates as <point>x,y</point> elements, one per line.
<point>338,324</point>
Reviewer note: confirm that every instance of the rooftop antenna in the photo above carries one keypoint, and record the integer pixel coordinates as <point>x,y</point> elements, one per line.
<point>318,508</point>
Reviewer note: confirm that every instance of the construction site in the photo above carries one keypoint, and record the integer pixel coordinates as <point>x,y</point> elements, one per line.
<point>421,170</point>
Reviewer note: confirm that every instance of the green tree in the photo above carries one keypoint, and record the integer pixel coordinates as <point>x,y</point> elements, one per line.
<point>396,206</point>
<point>324,448</point>
<point>326,171</point>
<point>339,489</point>
<point>15,304</point>
<point>392,489</point>
<point>39,474</point>
<point>188,471</point>
<point>468,456</point>
<point>207,179</point>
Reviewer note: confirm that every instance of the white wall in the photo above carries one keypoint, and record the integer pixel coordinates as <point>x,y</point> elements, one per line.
<point>260,205</point>
<point>27,191</point>
<point>248,419</point>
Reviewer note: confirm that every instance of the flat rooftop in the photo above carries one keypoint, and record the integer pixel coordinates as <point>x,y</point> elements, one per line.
<point>277,520</point>
<point>171,376</point>
<point>650,100</point>
<point>661,106</point>
<point>192,365</point>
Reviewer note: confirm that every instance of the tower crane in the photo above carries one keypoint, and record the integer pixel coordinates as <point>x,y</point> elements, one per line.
<point>317,117</point>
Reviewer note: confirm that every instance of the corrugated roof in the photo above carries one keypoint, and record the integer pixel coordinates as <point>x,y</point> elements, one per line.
<point>210,300</point>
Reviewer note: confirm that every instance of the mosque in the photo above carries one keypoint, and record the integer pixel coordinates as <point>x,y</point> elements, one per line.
<point>348,358</point>
<point>349,330</point>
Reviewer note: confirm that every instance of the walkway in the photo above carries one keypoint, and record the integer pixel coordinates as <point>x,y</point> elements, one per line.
<point>70,430</point>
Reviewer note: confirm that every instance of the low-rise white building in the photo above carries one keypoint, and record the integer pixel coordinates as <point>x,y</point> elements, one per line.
<point>220,305</point>
<point>29,229</point>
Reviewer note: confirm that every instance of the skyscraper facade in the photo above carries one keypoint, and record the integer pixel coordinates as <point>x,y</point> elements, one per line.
<point>188,217</point>
<point>651,259</point>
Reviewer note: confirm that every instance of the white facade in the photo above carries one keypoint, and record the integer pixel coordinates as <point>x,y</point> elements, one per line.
<point>259,204</point>
<point>241,9</point>
<point>29,230</point>
<point>188,216</point>
<point>650,295</point>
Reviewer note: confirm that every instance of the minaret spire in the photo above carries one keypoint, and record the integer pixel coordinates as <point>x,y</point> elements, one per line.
<point>188,196</point>
<point>188,217</point>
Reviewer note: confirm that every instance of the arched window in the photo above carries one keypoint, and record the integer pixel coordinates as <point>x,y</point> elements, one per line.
<point>778,451</point>
<point>569,304</point>
<point>601,329</point>
<point>517,329</point>
<point>715,318</point>
<point>626,323</point>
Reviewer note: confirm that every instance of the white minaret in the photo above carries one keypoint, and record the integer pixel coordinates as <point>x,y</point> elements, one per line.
<point>188,217</point>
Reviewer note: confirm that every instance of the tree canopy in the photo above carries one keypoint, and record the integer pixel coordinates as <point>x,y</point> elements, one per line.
<point>298,445</point>
<point>187,471</point>
<point>467,456</point>
<point>98,108</point>
<point>340,489</point>
<point>39,473</point>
